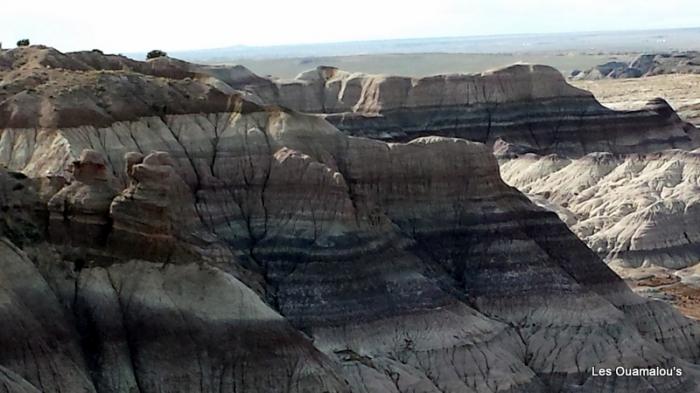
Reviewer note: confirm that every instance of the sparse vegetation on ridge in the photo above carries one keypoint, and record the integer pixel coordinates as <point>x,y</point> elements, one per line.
<point>155,54</point>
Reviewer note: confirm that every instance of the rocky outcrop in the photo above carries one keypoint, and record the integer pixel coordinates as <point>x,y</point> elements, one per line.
<point>296,202</point>
<point>522,104</point>
<point>40,348</point>
<point>11,382</point>
<point>44,88</point>
<point>102,321</point>
<point>648,64</point>
<point>77,212</point>
<point>144,327</point>
<point>20,207</point>
<point>632,209</point>
<point>157,205</point>
<point>262,250</point>
<point>524,110</point>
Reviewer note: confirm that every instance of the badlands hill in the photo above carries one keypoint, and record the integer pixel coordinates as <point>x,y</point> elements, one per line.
<point>162,232</point>
<point>644,65</point>
<point>523,104</point>
<point>623,180</point>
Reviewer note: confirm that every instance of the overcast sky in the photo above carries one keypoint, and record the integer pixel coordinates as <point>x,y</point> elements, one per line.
<point>139,25</point>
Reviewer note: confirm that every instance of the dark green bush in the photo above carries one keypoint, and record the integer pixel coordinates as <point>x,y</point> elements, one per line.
<point>156,53</point>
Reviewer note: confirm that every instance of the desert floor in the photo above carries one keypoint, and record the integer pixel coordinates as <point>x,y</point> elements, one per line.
<point>424,64</point>
<point>681,91</point>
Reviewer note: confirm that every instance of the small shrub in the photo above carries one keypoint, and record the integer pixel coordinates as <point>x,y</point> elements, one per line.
<point>155,54</point>
<point>23,42</point>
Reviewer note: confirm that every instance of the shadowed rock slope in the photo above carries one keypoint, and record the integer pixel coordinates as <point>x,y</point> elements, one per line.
<point>255,249</point>
<point>610,174</point>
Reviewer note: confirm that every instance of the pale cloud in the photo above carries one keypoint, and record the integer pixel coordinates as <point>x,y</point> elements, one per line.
<point>134,25</point>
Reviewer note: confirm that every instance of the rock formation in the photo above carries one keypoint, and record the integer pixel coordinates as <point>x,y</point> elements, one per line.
<point>651,219</point>
<point>527,109</point>
<point>648,64</point>
<point>523,104</point>
<point>211,244</point>
<point>539,125</point>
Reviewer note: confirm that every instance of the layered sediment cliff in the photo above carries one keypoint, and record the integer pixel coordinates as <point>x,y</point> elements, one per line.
<point>538,125</point>
<point>253,248</point>
<point>523,104</point>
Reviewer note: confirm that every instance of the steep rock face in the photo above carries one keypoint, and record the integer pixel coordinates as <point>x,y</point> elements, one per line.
<point>190,327</point>
<point>153,209</point>
<point>141,327</point>
<point>128,325</point>
<point>13,383</point>
<point>523,104</point>
<point>77,212</point>
<point>531,109</point>
<point>304,207</point>
<point>20,206</point>
<point>261,250</point>
<point>40,348</point>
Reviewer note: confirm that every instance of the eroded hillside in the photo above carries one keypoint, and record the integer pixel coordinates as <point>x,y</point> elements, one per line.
<point>169,234</point>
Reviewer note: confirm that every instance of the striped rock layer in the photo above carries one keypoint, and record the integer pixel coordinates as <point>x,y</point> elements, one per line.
<point>256,249</point>
<point>527,105</point>
<point>555,142</point>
